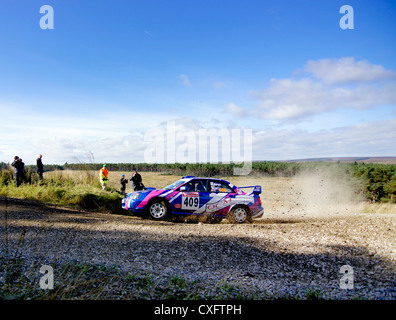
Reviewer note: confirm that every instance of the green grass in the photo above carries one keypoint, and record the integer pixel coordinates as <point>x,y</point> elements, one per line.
<point>80,190</point>
<point>95,281</point>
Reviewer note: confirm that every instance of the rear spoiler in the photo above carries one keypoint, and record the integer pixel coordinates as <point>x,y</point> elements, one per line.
<point>256,189</point>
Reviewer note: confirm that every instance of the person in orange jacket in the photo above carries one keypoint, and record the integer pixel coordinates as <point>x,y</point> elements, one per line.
<point>104,176</point>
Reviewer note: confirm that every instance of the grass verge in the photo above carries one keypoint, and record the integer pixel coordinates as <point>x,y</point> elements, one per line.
<point>80,190</point>
<point>95,281</point>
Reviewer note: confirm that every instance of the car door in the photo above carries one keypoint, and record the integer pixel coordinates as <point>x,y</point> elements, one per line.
<point>220,195</point>
<point>194,196</point>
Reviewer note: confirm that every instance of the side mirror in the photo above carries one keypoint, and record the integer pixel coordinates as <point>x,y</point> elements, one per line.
<point>183,188</point>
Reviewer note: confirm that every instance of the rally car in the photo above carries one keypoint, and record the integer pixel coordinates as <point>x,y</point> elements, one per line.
<point>215,198</point>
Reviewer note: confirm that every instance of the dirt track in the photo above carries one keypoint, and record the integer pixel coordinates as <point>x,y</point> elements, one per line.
<point>282,257</point>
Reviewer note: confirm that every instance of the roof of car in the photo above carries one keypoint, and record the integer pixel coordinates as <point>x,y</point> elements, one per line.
<point>194,177</point>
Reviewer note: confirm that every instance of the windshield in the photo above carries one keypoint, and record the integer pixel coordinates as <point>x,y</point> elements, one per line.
<point>175,184</point>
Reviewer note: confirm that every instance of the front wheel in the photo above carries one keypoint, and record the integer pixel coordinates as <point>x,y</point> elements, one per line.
<point>158,210</point>
<point>240,214</point>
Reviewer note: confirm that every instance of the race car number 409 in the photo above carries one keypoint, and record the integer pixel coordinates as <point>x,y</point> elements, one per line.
<point>191,195</point>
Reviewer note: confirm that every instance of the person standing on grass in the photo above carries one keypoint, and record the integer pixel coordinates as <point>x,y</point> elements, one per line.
<point>19,166</point>
<point>40,167</point>
<point>123,183</point>
<point>104,176</point>
<point>136,179</point>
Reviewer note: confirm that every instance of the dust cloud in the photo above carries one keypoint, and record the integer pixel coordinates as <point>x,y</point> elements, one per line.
<point>318,193</point>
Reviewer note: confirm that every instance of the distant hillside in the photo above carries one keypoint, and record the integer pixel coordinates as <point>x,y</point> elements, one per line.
<point>384,160</point>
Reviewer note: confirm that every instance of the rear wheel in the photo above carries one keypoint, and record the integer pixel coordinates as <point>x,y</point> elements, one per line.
<point>240,214</point>
<point>158,210</point>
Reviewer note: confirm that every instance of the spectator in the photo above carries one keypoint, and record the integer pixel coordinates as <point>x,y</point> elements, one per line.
<point>123,183</point>
<point>136,179</point>
<point>40,167</point>
<point>19,166</point>
<point>104,176</point>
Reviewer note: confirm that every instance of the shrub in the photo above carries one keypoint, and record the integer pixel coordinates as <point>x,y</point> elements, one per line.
<point>6,177</point>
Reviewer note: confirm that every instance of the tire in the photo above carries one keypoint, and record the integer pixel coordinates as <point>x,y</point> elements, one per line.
<point>240,214</point>
<point>158,210</point>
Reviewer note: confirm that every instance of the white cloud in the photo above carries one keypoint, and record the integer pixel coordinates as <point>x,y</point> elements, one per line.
<point>111,136</point>
<point>374,138</point>
<point>63,140</point>
<point>235,110</point>
<point>366,139</point>
<point>185,80</point>
<point>328,89</point>
<point>347,70</point>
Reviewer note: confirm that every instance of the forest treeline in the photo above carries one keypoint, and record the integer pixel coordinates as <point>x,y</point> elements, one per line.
<point>376,181</point>
<point>270,168</point>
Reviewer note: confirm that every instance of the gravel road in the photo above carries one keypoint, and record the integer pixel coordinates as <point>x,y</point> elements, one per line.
<point>277,256</point>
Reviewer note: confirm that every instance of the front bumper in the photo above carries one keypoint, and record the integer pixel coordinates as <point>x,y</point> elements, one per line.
<point>130,204</point>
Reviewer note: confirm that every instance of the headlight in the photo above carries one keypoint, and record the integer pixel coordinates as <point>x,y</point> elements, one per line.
<point>135,196</point>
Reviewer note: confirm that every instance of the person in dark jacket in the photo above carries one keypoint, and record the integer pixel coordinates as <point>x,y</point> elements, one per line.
<point>136,179</point>
<point>40,167</point>
<point>19,166</point>
<point>123,183</point>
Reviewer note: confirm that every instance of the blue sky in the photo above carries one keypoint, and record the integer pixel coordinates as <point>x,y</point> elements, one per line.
<point>110,72</point>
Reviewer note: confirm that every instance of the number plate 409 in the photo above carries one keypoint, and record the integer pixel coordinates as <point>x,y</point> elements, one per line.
<point>190,201</point>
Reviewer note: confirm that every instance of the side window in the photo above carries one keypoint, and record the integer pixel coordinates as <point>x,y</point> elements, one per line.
<point>196,186</point>
<point>218,186</point>
<point>188,186</point>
